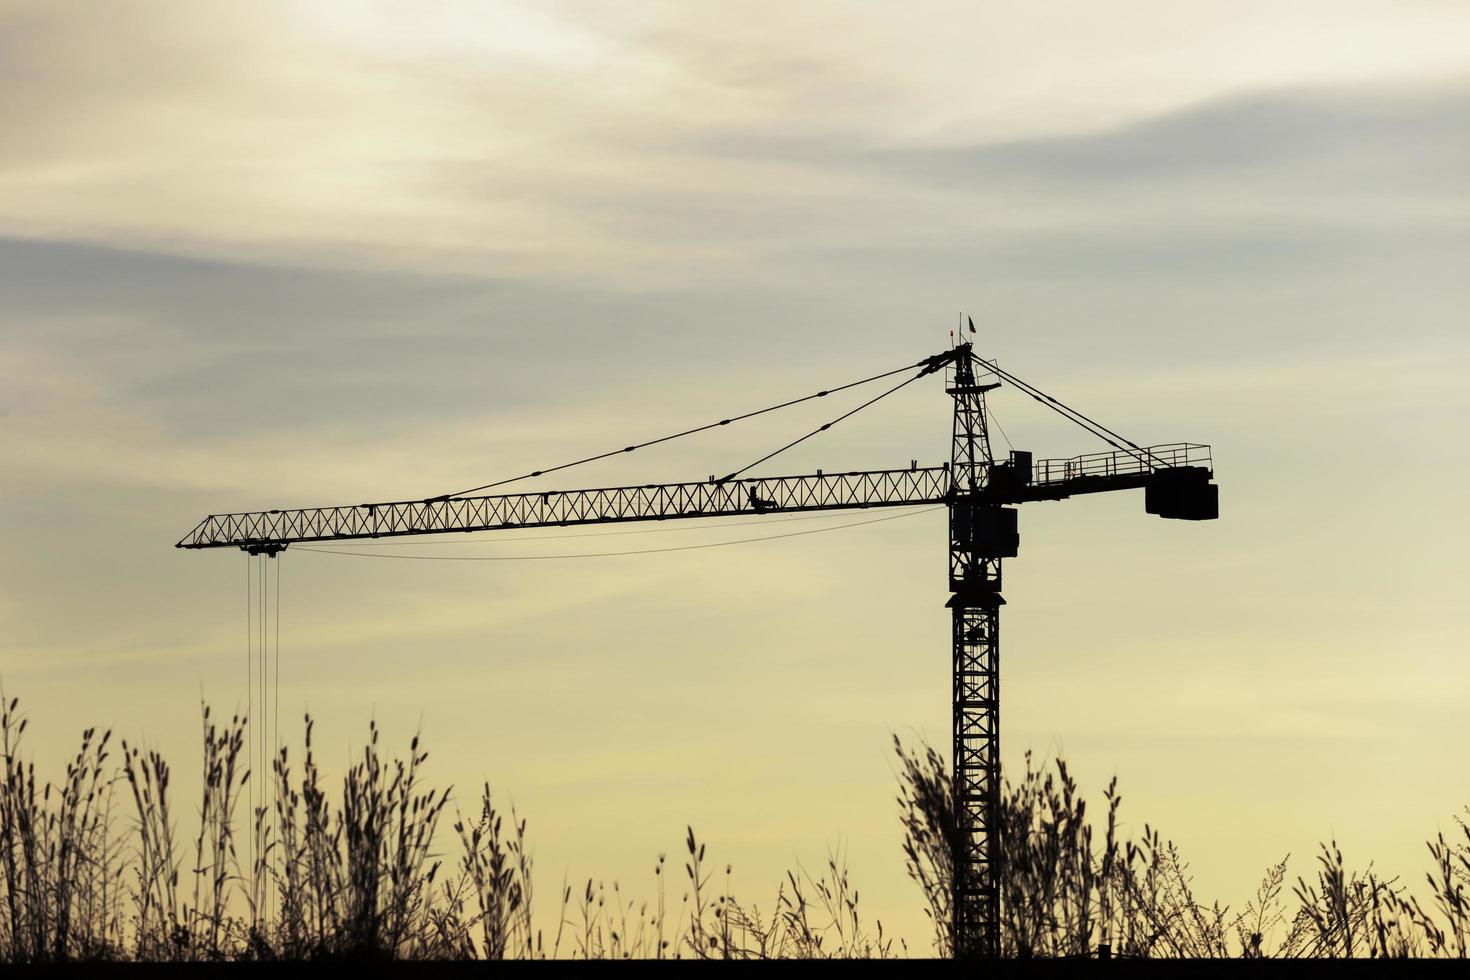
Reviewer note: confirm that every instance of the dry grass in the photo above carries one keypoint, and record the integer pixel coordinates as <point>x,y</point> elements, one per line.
<point>1069,889</point>
<point>93,868</point>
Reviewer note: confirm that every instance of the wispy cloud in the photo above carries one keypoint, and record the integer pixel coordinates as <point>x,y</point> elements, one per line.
<point>517,139</point>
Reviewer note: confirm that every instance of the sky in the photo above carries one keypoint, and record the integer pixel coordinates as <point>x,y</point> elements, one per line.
<point>268,255</point>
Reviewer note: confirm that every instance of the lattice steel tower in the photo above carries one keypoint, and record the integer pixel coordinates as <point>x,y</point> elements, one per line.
<point>981,532</point>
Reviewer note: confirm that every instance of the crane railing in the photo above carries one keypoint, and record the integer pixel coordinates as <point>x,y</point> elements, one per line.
<point>1051,472</point>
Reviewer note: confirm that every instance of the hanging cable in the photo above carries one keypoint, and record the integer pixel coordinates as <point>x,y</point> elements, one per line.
<point>823,428</point>
<point>613,554</point>
<point>574,532</point>
<point>250,688</point>
<point>260,742</point>
<point>276,701</point>
<point>687,432</point>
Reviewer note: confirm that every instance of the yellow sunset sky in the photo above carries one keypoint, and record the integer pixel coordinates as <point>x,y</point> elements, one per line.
<point>267,254</point>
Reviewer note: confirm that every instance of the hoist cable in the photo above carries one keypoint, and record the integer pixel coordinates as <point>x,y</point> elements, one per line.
<point>260,743</point>
<point>613,554</point>
<point>250,685</point>
<point>1072,415</point>
<point>276,699</point>
<point>576,533</point>
<point>679,435</point>
<point>823,428</point>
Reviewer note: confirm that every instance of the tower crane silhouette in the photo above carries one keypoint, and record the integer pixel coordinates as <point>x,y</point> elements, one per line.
<point>980,492</point>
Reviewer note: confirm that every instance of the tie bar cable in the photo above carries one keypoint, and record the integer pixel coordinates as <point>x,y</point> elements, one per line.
<point>823,428</point>
<point>1143,455</point>
<point>928,363</point>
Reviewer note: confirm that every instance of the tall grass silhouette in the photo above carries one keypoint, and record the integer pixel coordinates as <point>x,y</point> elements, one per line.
<point>92,867</point>
<point>1071,889</point>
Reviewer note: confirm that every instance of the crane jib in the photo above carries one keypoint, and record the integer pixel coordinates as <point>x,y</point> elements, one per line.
<point>558,508</point>
<point>1047,479</point>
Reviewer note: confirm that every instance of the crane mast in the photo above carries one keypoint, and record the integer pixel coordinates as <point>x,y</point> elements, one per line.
<point>976,546</point>
<point>979,493</point>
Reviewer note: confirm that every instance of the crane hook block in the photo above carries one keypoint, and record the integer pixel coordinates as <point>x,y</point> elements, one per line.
<point>1182,493</point>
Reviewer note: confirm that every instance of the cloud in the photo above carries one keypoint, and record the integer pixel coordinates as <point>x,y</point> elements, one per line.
<point>517,140</point>
<point>1242,134</point>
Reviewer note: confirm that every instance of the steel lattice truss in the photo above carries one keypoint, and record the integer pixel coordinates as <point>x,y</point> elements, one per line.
<point>975,552</point>
<point>976,776</point>
<point>1054,479</point>
<point>656,502</point>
